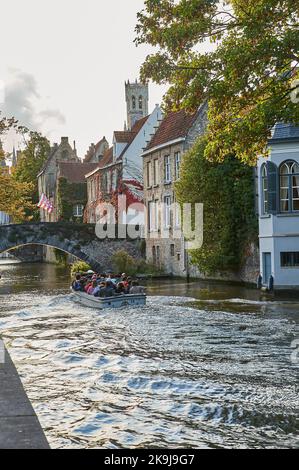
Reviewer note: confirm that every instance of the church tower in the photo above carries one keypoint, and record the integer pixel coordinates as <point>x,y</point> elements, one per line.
<point>137,102</point>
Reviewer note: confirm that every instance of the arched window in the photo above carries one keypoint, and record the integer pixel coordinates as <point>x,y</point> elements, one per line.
<point>140,102</point>
<point>265,193</point>
<point>289,187</point>
<point>133,102</point>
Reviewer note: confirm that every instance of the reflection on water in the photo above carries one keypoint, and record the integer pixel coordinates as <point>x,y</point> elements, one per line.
<point>202,365</point>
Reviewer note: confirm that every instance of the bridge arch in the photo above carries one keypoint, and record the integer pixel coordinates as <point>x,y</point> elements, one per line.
<point>78,240</point>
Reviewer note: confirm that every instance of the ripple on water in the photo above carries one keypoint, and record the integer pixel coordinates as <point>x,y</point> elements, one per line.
<point>189,375</point>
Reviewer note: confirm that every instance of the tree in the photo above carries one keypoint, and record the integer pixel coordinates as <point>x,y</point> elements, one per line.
<point>227,192</point>
<point>14,196</point>
<point>247,77</point>
<point>30,162</point>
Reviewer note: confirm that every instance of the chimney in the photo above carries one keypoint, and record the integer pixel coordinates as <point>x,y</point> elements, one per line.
<point>64,140</point>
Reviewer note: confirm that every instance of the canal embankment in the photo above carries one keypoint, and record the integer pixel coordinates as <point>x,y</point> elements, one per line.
<point>19,425</point>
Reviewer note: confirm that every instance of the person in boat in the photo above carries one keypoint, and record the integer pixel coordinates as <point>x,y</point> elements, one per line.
<point>136,288</point>
<point>97,290</point>
<point>120,289</point>
<point>77,283</point>
<point>92,288</point>
<point>107,291</point>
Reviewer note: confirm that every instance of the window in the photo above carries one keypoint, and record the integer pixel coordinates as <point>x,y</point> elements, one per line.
<point>78,210</point>
<point>177,215</point>
<point>177,157</point>
<point>153,213</point>
<point>156,172</point>
<point>167,177</point>
<point>290,259</point>
<point>167,211</point>
<point>133,102</point>
<point>265,206</point>
<point>104,182</point>
<point>154,255</point>
<point>172,250</point>
<point>140,102</point>
<point>93,190</point>
<point>149,174</point>
<point>289,187</point>
<point>114,180</point>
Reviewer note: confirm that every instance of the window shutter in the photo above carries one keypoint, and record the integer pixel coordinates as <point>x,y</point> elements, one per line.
<point>273,186</point>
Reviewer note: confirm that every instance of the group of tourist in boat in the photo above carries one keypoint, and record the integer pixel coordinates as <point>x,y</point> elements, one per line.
<point>103,285</point>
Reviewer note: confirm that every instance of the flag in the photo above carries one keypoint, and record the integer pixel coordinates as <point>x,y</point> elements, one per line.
<point>45,204</point>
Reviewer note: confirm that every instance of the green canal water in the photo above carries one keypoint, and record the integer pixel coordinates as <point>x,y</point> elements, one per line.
<point>203,365</point>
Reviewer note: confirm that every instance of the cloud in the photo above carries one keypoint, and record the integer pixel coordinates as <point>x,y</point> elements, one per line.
<point>23,102</point>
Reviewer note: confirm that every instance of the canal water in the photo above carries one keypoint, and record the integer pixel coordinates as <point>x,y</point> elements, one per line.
<point>203,365</point>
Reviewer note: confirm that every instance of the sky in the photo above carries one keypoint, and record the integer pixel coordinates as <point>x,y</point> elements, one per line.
<point>63,65</point>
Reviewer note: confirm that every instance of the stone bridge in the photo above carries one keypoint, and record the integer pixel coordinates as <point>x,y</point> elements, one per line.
<point>79,240</point>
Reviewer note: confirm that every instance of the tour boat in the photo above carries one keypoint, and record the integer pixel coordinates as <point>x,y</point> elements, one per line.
<point>118,301</point>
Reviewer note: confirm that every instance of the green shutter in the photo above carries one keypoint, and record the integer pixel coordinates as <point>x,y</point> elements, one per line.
<point>273,187</point>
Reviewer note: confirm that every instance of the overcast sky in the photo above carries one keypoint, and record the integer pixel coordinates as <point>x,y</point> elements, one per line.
<point>64,63</point>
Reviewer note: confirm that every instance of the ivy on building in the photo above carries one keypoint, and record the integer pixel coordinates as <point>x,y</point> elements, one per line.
<point>68,195</point>
<point>227,191</point>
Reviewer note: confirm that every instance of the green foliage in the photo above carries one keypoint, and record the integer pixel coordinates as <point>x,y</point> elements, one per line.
<point>227,192</point>
<point>68,195</point>
<point>124,263</point>
<point>30,162</point>
<point>79,267</point>
<point>61,257</point>
<point>247,76</point>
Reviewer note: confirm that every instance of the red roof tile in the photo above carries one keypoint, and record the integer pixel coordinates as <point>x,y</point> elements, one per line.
<point>75,172</point>
<point>124,137</point>
<point>173,126</point>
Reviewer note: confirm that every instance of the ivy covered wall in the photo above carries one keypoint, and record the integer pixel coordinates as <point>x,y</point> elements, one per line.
<point>227,191</point>
<point>68,195</point>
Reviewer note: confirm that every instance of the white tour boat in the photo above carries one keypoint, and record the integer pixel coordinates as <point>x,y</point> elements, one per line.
<point>118,301</point>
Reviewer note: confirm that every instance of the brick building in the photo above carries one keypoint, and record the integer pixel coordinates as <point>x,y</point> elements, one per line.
<point>120,170</point>
<point>165,246</point>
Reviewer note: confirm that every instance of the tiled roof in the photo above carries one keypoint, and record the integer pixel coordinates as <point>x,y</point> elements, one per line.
<point>174,126</point>
<point>124,137</point>
<point>75,172</point>
<point>284,132</point>
<point>139,124</point>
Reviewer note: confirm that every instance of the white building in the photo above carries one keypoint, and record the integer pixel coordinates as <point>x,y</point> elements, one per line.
<point>279,209</point>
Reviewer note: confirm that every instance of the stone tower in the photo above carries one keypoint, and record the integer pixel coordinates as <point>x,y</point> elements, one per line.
<point>137,102</point>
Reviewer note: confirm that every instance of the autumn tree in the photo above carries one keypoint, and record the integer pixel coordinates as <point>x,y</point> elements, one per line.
<point>30,163</point>
<point>247,76</point>
<point>15,197</point>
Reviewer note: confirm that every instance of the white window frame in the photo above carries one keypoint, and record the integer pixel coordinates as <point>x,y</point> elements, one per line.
<point>178,159</point>
<point>76,211</point>
<point>149,174</point>
<point>167,169</point>
<point>156,172</point>
<point>167,211</point>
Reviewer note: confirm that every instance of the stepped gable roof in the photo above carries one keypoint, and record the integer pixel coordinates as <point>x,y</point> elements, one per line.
<point>283,132</point>
<point>75,172</point>
<point>105,161</point>
<point>174,126</point>
<point>93,149</point>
